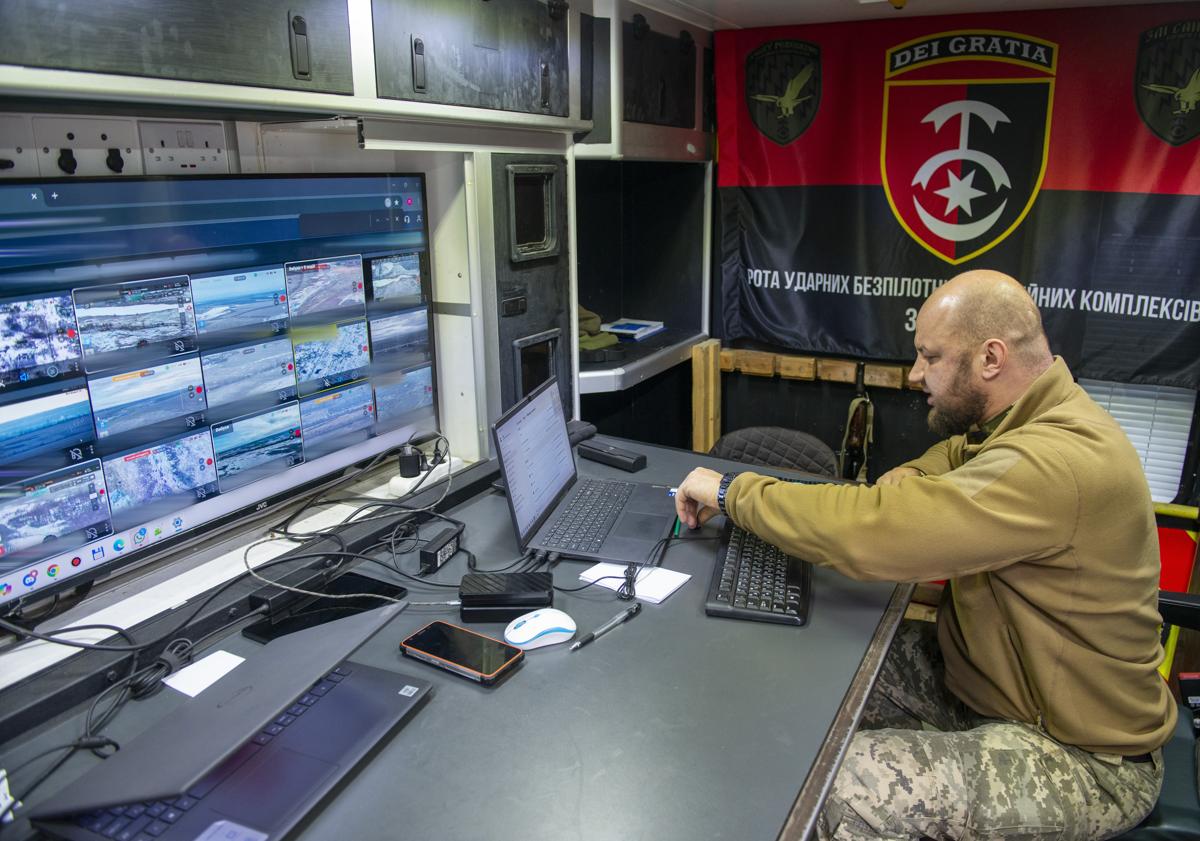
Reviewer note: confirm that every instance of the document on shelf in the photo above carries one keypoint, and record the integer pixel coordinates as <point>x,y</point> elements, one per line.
<point>653,584</point>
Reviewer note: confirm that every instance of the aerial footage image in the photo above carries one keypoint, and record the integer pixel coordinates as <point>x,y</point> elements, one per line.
<point>397,277</point>
<point>237,374</point>
<point>37,514</point>
<point>136,315</point>
<point>50,422</point>
<point>331,354</point>
<point>240,300</point>
<point>251,447</point>
<point>145,396</point>
<point>398,401</point>
<point>336,418</point>
<point>327,284</point>
<point>404,335</point>
<point>38,339</point>
<point>158,479</point>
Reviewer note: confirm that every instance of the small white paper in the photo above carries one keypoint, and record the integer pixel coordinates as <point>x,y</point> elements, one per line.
<point>202,674</point>
<point>653,584</point>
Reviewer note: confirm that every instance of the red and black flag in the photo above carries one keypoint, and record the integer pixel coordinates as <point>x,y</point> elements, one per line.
<point>863,164</point>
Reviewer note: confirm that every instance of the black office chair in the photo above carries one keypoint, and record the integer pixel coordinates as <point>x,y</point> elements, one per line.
<point>1176,815</point>
<point>774,446</point>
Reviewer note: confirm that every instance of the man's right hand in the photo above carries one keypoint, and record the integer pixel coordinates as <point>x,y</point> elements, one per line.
<point>893,476</point>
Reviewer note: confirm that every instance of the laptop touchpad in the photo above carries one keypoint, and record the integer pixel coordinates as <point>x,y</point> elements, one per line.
<point>267,791</point>
<point>640,526</point>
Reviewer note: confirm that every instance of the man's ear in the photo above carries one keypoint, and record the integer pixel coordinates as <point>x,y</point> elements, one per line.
<point>995,357</point>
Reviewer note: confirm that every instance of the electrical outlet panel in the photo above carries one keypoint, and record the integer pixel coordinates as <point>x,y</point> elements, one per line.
<point>83,146</point>
<point>183,148</point>
<point>18,154</point>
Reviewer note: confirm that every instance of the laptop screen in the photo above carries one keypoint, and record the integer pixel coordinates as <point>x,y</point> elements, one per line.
<point>535,454</point>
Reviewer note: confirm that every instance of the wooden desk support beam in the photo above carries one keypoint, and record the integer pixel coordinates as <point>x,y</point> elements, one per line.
<point>706,395</point>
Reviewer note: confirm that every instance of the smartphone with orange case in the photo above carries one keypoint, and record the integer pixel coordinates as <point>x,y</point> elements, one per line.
<point>465,653</point>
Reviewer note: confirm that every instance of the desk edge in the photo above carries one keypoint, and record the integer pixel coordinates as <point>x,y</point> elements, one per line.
<point>811,798</point>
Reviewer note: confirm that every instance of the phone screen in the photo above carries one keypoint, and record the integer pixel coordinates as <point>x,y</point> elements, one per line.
<point>457,646</point>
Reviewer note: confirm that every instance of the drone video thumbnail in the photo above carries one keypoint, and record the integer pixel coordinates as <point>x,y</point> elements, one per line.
<point>251,371</point>
<point>240,300</point>
<point>332,353</point>
<point>38,338</point>
<point>50,422</point>
<point>253,446</point>
<point>396,401</point>
<point>145,396</point>
<point>135,315</point>
<point>326,284</point>
<point>37,513</point>
<point>397,278</point>
<point>333,418</point>
<point>156,480</point>
<point>405,333</point>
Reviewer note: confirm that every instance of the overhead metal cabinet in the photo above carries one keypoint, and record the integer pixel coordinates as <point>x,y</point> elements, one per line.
<point>659,70</point>
<point>291,44</point>
<point>648,78</point>
<point>506,55</point>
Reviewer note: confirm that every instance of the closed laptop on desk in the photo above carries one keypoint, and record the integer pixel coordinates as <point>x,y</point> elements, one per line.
<point>553,510</point>
<point>253,753</point>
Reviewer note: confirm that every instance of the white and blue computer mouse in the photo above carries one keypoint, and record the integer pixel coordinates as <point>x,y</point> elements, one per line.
<point>546,626</point>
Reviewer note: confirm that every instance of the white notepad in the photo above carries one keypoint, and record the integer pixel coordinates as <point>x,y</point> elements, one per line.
<point>653,584</point>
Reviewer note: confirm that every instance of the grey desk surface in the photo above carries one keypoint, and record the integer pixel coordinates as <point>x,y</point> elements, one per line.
<point>674,725</point>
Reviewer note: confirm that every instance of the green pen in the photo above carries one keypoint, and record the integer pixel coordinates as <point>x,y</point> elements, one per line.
<point>675,533</point>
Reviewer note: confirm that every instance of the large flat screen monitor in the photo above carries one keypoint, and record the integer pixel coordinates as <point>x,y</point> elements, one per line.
<point>175,351</point>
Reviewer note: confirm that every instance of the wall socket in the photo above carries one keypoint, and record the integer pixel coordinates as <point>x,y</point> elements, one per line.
<point>183,148</point>
<point>18,155</point>
<point>86,146</point>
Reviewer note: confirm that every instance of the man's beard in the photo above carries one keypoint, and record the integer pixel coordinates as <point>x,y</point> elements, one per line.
<point>962,407</point>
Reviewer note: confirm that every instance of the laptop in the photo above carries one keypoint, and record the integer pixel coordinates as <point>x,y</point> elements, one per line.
<point>253,753</point>
<point>554,510</point>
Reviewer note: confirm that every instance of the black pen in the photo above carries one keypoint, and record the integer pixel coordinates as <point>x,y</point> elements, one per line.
<point>608,626</point>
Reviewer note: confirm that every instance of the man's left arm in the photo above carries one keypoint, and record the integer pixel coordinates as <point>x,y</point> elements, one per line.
<point>1001,507</point>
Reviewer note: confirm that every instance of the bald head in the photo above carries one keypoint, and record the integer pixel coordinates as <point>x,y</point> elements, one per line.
<point>980,345</point>
<point>980,305</point>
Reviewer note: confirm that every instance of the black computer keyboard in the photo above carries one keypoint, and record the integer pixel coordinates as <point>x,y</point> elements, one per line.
<point>155,819</point>
<point>754,580</point>
<point>588,518</point>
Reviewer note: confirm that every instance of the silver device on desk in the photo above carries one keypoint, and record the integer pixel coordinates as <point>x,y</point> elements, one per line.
<point>553,510</point>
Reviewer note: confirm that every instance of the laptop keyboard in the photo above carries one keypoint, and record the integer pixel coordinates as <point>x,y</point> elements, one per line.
<point>587,519</point>
<point>154,819</point>
<point>754,580</point>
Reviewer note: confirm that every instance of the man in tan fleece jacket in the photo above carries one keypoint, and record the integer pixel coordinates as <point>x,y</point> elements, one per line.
<point>1033,709</point>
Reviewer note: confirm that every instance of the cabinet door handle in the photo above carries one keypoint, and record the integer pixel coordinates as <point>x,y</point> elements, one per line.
<point>418,63</point>
<point>545,86</point>
<point>298,37</point>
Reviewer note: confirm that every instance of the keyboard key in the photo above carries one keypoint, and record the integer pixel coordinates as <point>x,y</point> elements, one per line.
<point>273,729</point>
<point>184,803</point>
<point>157,828</point>
<point>170,815</point>
<point>285,719</point>
<point>134,829</point>
<point>262,738</point>
<point>156,809</point>
<point>296,709</point>
<point>116,826</point>
<point>308,700</point>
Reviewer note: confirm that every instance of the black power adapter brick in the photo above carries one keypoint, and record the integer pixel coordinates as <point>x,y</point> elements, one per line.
<point>440,548</point>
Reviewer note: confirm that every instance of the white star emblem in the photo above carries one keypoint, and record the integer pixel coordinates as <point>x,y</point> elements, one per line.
<point>959,192</point>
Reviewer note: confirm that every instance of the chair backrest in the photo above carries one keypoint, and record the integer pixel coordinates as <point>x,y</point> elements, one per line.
<point>774,446</point>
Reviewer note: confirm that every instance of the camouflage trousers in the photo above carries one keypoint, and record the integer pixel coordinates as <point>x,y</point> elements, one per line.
<point>924,764</point>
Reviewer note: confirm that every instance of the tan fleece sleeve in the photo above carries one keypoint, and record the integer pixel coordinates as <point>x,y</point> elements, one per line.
<point>938,459</point>
<point>1001,507</point>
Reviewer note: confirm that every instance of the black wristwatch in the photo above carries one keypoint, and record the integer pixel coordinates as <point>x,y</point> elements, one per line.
<point>722,489</point>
